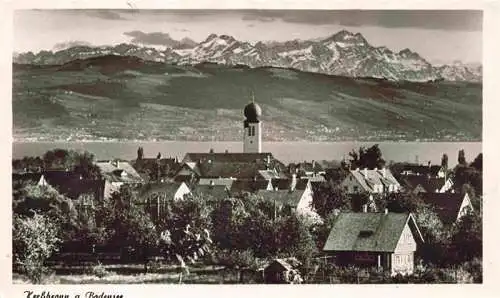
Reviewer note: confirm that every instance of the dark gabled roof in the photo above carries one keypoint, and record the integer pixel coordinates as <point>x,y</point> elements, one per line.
<point>111,171</point>
<point>74,187</point>
<point>227,182</point>
<point>286,263</point>
<point>26,177</point>
<point>247,185</point>
<point>237,165</point>
<point>165,189</point>
<point>368,232</point>
<point>425,170</point>
<point>282,197</point>
<point>228,157</point>
<point>446,205</point>
<point>430,184</point>
<point>287,183</point>
<point>369,178</point>
<point>215,191</point>
<point>229,170</point>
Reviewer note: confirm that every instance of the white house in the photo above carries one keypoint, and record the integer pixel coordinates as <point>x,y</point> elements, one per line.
<point>370,181</point>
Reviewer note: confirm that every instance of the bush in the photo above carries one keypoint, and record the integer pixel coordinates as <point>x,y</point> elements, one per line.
<point>99,270</point>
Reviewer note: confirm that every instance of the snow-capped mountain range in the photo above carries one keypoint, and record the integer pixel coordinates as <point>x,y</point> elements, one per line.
<point>344,54</point>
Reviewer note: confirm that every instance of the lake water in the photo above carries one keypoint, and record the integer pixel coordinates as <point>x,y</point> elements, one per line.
<point>284,151</point>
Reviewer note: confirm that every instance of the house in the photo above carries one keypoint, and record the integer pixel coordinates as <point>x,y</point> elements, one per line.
<point>212,191</point>
<point>242,186</point>
<point>230,165</point>
<point>165,190</point>
<point>290,183</point>
<point>84,192</point>
<point>296,200</point>
<point>419,184</point>
<point>370,181</point>
<point>154,197</point>
<point>188,172</point>
<point>227,182</point>
<point>449,207</point>
<point>384,240</point>
<point>433,171</point>
<point>117,173</point>
<point>281,271</point>
<point>307,169</point>
<point>156,168</point>
<point>29,178</point>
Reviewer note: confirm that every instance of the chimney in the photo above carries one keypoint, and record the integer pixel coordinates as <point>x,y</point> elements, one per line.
<point>383,172</point>
<point>386,211</point>
<point>294,182</point>
<point>268,159</point>
<point>211,150</point>
<point>365,172</point>
<point>365,208</point>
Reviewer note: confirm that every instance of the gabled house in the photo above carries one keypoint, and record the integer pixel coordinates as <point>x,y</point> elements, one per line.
<point>31,178</point>
<point>164,191</point>
<point>280,271</point>
<point>227,182</point>
<point>420,184</point>
<point>117,173</point>
<point>188,172</point>
<point>433,171</point>
<point>154,197</point>
<point>296,200</point>
<point>242,186</point>
<point>231,165</point>
<point>370,181</point>
<point>213,191</point>
<point>449,207</point>
<point>375,240</point>
<point>156,169</point>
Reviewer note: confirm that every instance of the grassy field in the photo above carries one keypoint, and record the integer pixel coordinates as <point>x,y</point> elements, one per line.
<point>134,274</point>
<point>110,99</point>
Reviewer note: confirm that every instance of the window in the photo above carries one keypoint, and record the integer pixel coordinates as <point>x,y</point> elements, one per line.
<point>249,131</point>
<point>253,130</point>
<point>355,188</point>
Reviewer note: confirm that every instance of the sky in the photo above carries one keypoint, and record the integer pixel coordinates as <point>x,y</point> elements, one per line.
<point>439,36</point>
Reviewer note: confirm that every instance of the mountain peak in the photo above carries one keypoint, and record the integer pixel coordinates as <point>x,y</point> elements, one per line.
<point>347,36</point>
<point>210,37</point>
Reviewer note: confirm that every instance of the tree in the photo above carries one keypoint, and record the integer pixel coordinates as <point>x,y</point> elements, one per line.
<point>131,227</point>
<point>140,153</point>
<point>461,158</point>
<point>236,260</point>
<point>478,163</point>
<point>328,197</point>
<point>402,202</point>
<point>295,239</point>
<point>31,199</point>
<point>35,239</point>
<point>467,237</point>
<point>370,158</point>
<point>444,162</point>
<point>185,231</point>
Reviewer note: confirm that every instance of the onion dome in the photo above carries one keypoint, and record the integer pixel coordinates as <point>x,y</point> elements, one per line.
<point>252,112</point>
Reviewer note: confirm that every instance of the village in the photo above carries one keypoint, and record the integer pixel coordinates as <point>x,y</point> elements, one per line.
<point>248,217</point>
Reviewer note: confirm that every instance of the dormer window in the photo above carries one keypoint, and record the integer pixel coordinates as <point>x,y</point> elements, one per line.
<point>365,233</point>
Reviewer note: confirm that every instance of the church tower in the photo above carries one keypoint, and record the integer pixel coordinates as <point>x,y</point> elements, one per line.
<point>252,132</point>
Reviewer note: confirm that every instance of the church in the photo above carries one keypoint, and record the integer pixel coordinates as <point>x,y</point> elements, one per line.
<point>252,163</point>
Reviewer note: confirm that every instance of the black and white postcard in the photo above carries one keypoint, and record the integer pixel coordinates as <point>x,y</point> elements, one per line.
<point>245,145</point>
